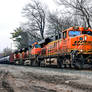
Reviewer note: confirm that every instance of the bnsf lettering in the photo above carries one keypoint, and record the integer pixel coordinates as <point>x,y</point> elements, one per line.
<point>82,43</point>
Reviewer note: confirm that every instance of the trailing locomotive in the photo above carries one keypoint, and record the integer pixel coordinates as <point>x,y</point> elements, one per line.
<point>73,49</point>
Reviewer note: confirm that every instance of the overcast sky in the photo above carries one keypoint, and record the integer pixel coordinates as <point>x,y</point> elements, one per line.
<point>11,17</point>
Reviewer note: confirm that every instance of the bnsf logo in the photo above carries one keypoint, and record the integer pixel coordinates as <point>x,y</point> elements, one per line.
<point>82,43</point>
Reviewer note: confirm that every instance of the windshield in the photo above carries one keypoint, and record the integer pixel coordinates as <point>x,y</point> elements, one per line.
<point>87,32</point>
<point>74,33</point>
<point>37,46</point>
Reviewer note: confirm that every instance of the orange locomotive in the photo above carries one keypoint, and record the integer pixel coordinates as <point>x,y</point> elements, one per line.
<point>73,49</point>
<point>26,56</point>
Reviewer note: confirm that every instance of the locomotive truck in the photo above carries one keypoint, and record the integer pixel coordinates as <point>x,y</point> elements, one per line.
<point>73,49</point>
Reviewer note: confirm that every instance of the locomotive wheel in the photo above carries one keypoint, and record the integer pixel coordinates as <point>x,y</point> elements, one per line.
<point>38,61</point>
<point>30,62</point>
<point>21,62</point>
<point>70,66</point>
<point>62,65</point>
<point>75,61</point>
<point>67,66</point>
<point>58,63</point>
<point>79,64</point>
<point>33,63</point>
<point>16,62</point>
<point>42,63</point>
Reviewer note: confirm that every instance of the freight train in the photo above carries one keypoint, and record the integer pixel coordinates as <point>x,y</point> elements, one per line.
<point>73,49</point>
<point>5,60</point>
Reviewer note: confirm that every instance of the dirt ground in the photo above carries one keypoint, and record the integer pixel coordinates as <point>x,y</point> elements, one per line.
<point>30,79</point>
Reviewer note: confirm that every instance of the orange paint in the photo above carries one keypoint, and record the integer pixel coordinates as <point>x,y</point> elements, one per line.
<point>82,42</point>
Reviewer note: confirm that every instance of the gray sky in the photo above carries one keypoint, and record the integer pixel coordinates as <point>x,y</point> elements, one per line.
<point>11,17</point>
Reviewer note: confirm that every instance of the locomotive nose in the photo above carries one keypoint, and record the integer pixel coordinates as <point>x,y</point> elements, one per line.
<point>82,43</point>
<point>85,45</point>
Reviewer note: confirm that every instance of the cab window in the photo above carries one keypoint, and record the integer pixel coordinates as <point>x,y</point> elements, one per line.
<point>37,46</point>
<point>64,34</point>
<point>87,32</point>
<point>74,33</point>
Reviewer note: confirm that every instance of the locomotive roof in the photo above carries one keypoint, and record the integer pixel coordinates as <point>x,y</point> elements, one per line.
<point>54,41</point>
<point>45,41</point>
<point>78,28</point>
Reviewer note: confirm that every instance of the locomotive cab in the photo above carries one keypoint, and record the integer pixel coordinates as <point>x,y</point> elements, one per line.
<point>81,40</point>
<point>77,41</point>
<point>36,49</point>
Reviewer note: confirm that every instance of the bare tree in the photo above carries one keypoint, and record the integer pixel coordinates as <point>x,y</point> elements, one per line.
<point>57,23</point>
<point>7,51</point>
<point>35,13</point>
<point>54,24</point>
<point>33,35</point>
<point>81,8</point>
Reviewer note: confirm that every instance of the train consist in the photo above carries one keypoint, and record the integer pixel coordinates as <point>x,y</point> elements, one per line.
<point>73,49</point>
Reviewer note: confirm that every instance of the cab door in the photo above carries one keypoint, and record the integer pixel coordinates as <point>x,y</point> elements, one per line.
<point>64,42</point>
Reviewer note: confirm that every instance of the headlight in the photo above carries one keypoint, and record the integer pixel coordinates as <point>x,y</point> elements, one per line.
<point>85,37</point>
<point>81,50</point>
<point>81,38</point>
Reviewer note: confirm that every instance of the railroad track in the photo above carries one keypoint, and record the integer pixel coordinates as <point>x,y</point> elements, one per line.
<point>67,70</point>
<point>80,79</point>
